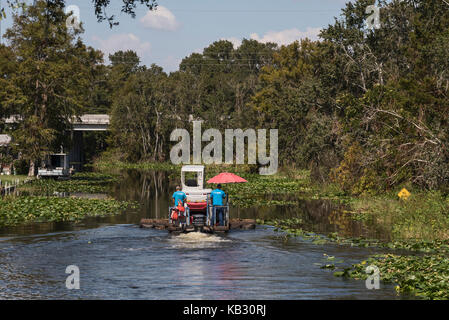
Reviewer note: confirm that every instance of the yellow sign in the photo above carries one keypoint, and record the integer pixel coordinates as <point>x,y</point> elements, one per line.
<point>404,194</point>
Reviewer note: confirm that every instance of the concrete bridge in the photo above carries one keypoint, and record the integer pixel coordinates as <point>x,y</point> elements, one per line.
<point>85,123</point>
<point>91,122</point>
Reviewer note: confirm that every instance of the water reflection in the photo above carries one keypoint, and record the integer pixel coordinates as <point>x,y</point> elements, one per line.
<point>152,189</point>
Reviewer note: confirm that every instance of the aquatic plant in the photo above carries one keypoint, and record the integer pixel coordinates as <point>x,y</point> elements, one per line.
<point>19,210</point>
<point>114,165</point>
<point>424,276</point>
<point>89,182</point>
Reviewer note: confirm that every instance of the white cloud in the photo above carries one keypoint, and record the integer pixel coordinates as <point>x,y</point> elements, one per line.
<point>161,19</point>
<point>288,36</point>
<point>122,41</point>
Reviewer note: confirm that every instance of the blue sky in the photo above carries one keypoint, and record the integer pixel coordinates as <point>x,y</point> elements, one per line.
<point>180,27</point>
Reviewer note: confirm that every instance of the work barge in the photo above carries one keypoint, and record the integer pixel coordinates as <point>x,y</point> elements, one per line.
<point>198,214</point>
<point>164,224</point>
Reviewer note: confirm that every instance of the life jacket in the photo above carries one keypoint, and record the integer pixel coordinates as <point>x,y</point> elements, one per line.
<point>174,215</point>
<point>180,207</point>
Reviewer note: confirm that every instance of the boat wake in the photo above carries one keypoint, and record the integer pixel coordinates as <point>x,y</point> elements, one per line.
<point>197,240</point>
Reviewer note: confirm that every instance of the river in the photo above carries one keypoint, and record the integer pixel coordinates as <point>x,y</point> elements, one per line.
<point>119,260</point>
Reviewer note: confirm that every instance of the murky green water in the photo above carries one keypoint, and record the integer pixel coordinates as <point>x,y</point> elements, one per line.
<point>118,260</point>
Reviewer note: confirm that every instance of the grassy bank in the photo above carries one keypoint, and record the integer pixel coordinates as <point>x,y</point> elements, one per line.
<point>424,216</point>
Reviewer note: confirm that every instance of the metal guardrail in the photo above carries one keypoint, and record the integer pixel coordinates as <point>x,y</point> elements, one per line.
<point>84,119</point>
<point>92,119</point>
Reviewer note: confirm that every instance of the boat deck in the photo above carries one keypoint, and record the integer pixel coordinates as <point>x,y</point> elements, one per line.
<point>163,224</point>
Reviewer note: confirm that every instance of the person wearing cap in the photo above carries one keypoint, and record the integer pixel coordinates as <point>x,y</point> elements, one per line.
<point>217,197</point>
<point>179,197</point>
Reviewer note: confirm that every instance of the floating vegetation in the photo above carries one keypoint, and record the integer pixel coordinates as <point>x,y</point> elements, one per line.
<point>294,227</point>
<point>424,276</point>
<point>258,185</point>
<point>114,165</point>
<point>211,169</point>
<point>89,182</point>
<point>268,191</point>
<point>330,262</point>
<point>247,202</point>
<point>19,210</point>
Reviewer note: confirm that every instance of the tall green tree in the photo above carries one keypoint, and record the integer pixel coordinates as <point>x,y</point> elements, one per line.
<point>292,99</point>
<point>223,79</point>
<point>100,8</point>
<point>51,81</point>
<point>8,66</point>
<point>394,99</point>
<point>141,117</point>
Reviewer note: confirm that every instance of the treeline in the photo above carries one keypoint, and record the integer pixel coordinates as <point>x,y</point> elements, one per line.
<point>367,109</point>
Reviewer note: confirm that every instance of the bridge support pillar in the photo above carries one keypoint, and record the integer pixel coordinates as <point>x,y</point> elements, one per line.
<point>76,157</point>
